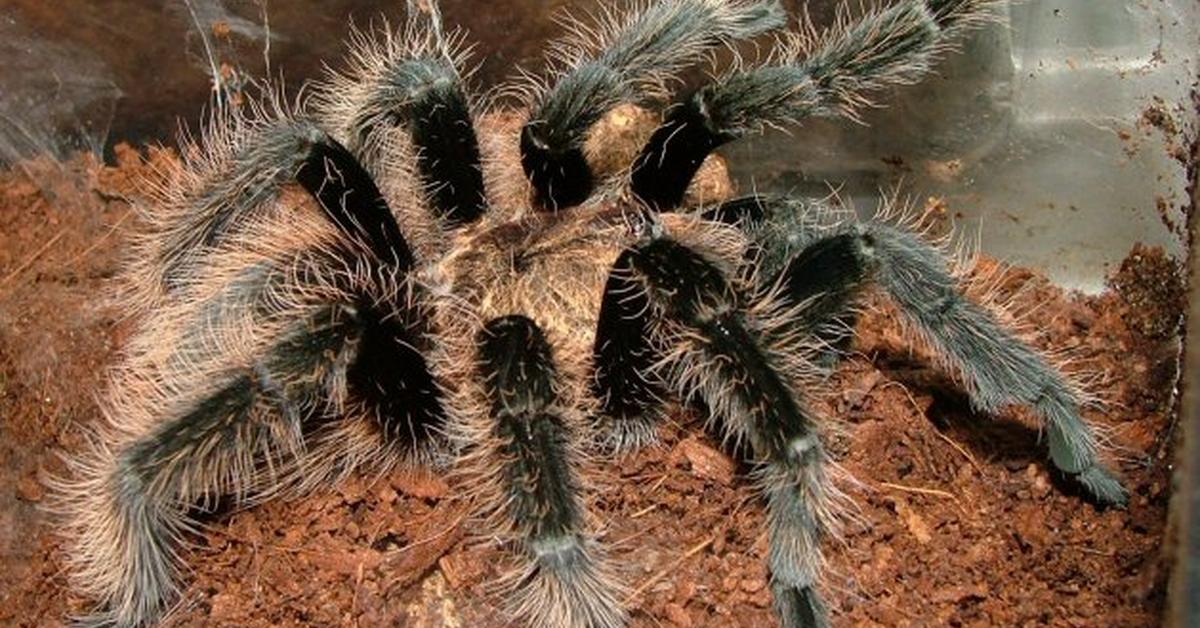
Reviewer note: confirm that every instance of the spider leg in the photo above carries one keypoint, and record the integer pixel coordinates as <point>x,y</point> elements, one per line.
<point>229,410</point>
<point>735,357</point>
<point>826,75</point>
<point>623,359</point>
<point>290,314</point>
<point>779,227</point>
<point>175,438</point>
<point>394,389</point>
<point>393,413</point>
<point>623,60</point>
<point>536,485</point>
<point>350,199</point>
<point>829,272</point>
<point>389,376</point>
<point>241,174</point>
<point>411,83</point>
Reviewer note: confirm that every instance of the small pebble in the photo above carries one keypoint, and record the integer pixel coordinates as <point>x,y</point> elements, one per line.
<point>685,590</point>
<point>30,490</point>
<point>729,583</point>
<point>677,615</point>
<point>750,585</point>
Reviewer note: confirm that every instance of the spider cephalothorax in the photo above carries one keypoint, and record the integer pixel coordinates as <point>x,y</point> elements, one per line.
<point>388,276</point>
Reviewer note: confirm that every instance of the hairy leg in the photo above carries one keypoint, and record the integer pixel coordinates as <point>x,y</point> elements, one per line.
<point>392,411</point>
<point>239,176</point>
<point>624,59</point>
<point>403,100</point>
<point>733,354</point>
<point>531,467</point>
<point>828,74</point>
<point>830,272</point>
<point>174,438</point>
<point>287,318</point>
<point>274,381</point>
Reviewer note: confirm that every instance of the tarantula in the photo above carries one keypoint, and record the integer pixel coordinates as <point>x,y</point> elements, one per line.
<point>384,276</point>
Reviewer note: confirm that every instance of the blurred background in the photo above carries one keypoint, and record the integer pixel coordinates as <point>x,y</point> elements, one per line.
<point>1057,139</point>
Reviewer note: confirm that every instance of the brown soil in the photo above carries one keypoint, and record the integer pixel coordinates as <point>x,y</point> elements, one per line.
<point>960,522</point>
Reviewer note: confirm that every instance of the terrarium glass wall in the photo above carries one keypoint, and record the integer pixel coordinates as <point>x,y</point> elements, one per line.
<point>1059,138</point>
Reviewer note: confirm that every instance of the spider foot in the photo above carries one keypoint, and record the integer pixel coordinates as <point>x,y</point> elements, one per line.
<point>800,607</point>
<point>1102,486</point>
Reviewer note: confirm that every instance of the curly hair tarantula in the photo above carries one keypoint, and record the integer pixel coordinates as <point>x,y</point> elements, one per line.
<point>387,276</point>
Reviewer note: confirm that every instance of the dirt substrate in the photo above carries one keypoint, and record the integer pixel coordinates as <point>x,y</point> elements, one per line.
<point>959,521</point>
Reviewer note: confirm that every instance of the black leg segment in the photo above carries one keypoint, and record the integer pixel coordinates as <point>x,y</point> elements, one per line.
<point>689,287</point>
<point>392,378</point>
<point>630,393</point>
<point>448,155</point>
<point>270,158</point>
<point>563,585</point>
<point>350,198</point>
<point>516,363</point>
<point>827,277</point>
<point>425,96</point>
<point>558,171</point>
<point>669,161</point>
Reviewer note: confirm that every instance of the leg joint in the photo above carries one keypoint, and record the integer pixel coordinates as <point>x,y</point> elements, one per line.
<point>516,362</point>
